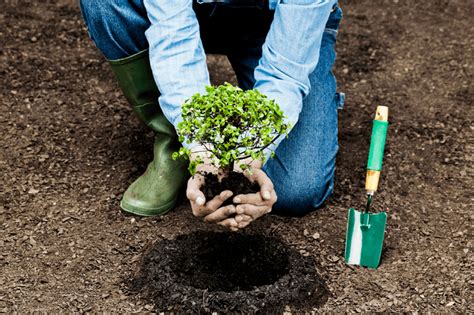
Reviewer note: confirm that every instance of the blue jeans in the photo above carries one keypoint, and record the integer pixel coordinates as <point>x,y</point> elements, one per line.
<point>303,168</point>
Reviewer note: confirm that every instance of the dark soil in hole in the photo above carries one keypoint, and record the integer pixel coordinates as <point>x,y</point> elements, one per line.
<point>232,262</point>
<point>235,182</point>
<point>227,272</point>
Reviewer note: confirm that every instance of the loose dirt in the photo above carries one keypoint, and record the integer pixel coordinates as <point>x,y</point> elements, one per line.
<point>70,146</point>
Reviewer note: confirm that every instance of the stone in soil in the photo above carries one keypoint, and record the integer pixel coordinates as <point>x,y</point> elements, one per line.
<point>222,272</point>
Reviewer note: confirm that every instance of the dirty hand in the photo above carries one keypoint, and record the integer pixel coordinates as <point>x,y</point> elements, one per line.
<point>210,211</point>
<point>252,206</point>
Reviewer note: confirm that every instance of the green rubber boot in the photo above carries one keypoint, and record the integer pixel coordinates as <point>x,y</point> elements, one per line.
<point>156,191</point>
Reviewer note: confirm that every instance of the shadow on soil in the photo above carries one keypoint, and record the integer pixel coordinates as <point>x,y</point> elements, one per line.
<point>222,272</point>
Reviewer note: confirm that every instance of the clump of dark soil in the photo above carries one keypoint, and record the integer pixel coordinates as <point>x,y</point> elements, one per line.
<point>227,272</point>
<point>235,182</point>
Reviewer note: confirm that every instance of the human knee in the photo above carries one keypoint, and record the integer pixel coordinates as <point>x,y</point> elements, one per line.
<point>298,198</point>
<point>95,12</point>
<point>116,27</point>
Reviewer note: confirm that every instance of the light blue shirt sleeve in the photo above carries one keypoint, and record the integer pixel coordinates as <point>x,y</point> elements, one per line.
<point>291,53</point>
<point>176,54</point>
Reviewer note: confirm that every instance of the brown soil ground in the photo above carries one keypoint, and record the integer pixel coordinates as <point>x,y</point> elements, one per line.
<point>70,146</point>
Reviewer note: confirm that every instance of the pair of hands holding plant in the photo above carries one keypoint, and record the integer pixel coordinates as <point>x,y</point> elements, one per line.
<point>246,208</point>
<point>232,127</point>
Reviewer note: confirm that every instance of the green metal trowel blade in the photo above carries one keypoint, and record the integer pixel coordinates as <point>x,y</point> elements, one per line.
<point>364,238</point>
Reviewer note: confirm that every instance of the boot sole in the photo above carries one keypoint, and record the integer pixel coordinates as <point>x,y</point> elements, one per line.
<point>148,212</point>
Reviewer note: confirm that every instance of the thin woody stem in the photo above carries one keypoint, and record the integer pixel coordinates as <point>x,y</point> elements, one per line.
<point>262,148</point>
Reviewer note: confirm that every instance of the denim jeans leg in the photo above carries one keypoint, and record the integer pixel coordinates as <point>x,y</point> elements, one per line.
<point>116,27</point>
<point>244,65</point>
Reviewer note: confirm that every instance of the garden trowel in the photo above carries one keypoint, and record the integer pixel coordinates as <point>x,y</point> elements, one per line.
<point>365,230</point>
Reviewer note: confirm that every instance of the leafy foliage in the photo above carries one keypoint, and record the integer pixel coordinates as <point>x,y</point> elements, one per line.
<point>231,124</point>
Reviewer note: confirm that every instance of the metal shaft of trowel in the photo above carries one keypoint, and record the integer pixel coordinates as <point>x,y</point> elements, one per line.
<point>369,202</point>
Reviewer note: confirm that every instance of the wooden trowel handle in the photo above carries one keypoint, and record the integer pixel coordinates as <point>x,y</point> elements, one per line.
<point>377,147</point>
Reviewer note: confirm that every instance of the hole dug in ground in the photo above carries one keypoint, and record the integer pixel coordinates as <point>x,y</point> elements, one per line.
<point>227,262</point>
<point>222,272</point>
